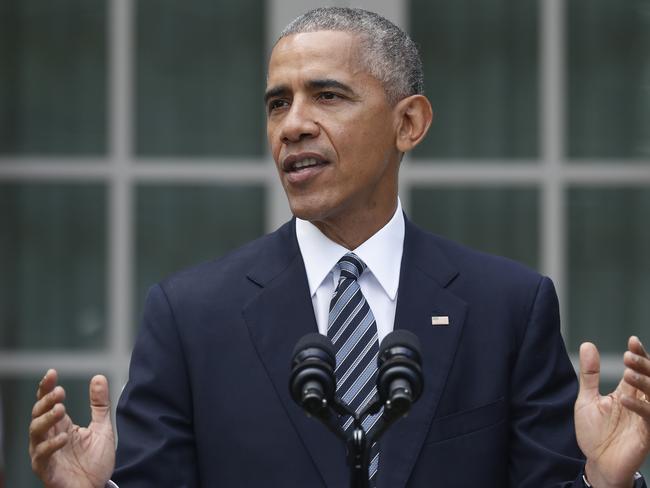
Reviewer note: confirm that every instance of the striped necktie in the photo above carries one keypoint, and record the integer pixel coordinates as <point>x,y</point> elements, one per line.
<point>353,331</point>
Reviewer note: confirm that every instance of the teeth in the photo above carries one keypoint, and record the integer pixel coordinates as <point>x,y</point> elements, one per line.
<point>305,163</point>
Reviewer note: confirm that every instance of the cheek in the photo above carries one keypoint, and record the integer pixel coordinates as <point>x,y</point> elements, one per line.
<point>372,139</point>
<point>274,145</point>
<point>375,128</point>
<point>357,135</point>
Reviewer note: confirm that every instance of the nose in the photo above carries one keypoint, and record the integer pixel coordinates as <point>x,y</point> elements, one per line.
<point>298,123</point>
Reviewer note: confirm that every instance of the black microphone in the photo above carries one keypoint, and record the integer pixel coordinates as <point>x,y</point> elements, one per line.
<point>312,382</point>
<point>399,379</point>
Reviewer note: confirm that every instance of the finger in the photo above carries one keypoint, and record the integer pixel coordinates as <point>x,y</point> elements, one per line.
<point>47,384</point>
<point>43,451</point>
<point>638,381</point>
<point>589,371</point>
<point>100,407</point>
<point>57,395</point>
<point>636,362</point>
<point>634,344</point>
<point>638,405</point>
<point>40,426</point>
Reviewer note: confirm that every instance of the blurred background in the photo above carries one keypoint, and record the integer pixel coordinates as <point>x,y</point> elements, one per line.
<point>132,144</point>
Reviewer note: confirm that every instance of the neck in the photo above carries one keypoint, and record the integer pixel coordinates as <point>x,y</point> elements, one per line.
<point>352,230</point>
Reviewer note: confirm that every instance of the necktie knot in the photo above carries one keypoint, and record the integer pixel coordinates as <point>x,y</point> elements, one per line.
<point>351,266</point>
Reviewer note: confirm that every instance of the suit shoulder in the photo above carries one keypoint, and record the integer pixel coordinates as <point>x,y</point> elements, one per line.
<point>494,286</point>
<point>479,263</point>
<point>271,251</point>
<point>475,270</point>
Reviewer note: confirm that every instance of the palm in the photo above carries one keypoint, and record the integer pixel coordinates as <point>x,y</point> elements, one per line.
<point>86,460</point>
<point>63,454</point>
<point>613,431</point>
<point>610,433</point>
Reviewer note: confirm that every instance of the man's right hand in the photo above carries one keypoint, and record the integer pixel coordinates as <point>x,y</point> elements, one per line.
<point>63,454</point>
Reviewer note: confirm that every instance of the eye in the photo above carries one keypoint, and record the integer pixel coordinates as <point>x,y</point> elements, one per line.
<point>328,95</point>
<point>276,104</point>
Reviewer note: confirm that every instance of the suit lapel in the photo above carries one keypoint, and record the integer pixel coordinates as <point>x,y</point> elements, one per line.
<point>277,318</point>
<point>424,276</point>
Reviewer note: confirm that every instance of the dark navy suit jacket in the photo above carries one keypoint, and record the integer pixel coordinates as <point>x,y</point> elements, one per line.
<point>207,401</point>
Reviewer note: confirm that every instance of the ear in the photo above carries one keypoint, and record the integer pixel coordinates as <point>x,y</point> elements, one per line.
<point>413,118</point>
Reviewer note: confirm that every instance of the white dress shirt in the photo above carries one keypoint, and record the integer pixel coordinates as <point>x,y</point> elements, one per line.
<point>382,253</point>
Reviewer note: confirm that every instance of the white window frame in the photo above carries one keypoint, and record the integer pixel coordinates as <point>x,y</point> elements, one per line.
<point>122,171</point>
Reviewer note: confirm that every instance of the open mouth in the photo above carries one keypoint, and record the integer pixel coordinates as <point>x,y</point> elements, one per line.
<point>295,164</point>
<point>306,163</point>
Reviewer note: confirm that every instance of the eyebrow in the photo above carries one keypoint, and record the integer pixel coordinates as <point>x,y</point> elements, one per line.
<point>280,90</point>
<point>329,83</point>
<point>276,91</point>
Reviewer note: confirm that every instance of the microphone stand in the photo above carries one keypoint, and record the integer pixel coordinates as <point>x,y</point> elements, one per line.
<point>358,456</point>
<point>358,443</point>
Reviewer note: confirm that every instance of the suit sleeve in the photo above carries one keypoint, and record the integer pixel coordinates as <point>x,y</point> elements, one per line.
<point>544,389</point>
<point>156,446</point>
<point>544,385</point>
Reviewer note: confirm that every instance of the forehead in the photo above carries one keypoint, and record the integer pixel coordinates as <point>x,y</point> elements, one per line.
<point>310,55</point>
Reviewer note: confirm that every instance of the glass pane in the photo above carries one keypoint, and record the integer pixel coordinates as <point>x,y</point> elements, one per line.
<point>608,79</point>
<point>52,266</point>
<point>18,397</point>
<point>609,266</point>
<point>481,68</point>
<point>200,77</point>
<point>501,221</point>
<point>53,77</point>
<point>182,226</point>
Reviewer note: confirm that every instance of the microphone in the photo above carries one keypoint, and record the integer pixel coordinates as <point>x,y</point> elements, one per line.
<point>312,382</point>
<point>312,385</point>
<point>399,379</point>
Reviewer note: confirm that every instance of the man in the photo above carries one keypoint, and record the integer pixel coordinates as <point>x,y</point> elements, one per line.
<point>207,402</point>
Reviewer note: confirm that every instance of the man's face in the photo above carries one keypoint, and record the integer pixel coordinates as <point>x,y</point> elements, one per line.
<point>330,128</point>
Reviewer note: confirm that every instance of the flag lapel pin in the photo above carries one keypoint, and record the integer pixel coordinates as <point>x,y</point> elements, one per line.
<point>438,320</point>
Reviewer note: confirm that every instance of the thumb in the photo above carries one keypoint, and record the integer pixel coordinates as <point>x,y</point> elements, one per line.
<point>589,372</point>
<point>100,406</point>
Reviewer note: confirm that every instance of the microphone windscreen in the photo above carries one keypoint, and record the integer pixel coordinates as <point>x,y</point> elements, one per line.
<point>401,338</point>
<point>318,341</point>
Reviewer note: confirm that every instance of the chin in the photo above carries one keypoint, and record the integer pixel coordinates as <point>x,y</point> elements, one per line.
<point>308,210</point>
<point>305,213</point>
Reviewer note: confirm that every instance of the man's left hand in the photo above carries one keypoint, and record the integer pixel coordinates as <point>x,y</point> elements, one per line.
<point>613,431</point>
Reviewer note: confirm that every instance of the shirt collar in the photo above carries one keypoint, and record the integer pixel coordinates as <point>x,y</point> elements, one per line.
<point>382,253</point>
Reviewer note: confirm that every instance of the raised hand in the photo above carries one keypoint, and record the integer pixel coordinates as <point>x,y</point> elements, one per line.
<point>613,431</point>
<point>63,454</point>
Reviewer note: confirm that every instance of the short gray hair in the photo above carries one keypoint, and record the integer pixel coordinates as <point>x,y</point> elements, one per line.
<point>389,53</point>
